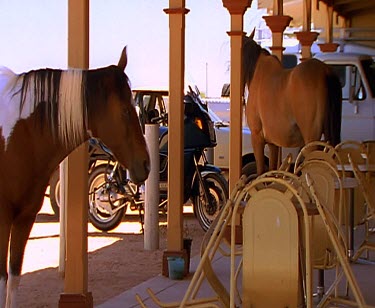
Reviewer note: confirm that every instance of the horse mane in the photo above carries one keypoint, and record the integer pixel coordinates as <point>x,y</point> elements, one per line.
<point>250,54</point>
<point>66,99</point>
<point>59,93</point>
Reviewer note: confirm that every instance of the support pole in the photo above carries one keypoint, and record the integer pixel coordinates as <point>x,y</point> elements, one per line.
<point>277,24</point>
<point>75,175</point>
<point>176,12</point>
<point>236,10</point>
<point>329,46</point>
<point>306,36</point>
<point>151,233</point>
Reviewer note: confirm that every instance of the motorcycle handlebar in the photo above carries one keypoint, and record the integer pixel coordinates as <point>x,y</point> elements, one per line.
<point>159,119</point>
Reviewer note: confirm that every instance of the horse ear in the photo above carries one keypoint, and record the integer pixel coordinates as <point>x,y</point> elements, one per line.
<point>251,36</point>
<point>123,59</point>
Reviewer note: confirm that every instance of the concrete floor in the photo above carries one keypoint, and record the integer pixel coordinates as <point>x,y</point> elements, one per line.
<point>168,290</point>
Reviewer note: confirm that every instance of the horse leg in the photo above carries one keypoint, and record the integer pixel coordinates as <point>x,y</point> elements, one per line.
<point>274,156</point>
<point>20,233</point>
<point>5,225</point>
<point>258,146</point>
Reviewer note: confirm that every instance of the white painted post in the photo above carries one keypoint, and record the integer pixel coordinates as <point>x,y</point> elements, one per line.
<point>151,227</point>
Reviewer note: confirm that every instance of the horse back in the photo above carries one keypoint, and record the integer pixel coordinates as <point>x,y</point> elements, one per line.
<point>316,100</point>
<point>289,105</point>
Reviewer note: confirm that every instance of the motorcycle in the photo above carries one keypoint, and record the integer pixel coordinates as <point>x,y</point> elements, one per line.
<point>111,191</point>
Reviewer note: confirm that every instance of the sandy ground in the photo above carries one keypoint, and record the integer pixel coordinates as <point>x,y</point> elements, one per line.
<point>117,260</point>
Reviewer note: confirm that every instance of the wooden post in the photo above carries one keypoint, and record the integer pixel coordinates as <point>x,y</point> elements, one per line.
<point>176,12</point>
<point>329,46</point>
<point>306,15</point>
<point>306,39</point>
<point>278,7</point>
<point>75,175</point>
<point>306,36</point>
<point>236,10</point>
<point>277,24</point>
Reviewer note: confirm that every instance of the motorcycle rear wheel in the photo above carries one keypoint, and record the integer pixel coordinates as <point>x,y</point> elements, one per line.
<point>100,217</point>
<point>218,195</point>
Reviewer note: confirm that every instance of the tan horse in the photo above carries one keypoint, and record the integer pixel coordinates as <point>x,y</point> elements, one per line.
<point>288,107</point>
<point>44,115</point>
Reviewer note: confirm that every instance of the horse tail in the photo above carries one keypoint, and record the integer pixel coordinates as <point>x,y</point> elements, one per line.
<point>332,122</point>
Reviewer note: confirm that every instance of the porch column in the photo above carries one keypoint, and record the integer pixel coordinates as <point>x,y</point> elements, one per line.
<point>75,175</point>
<point>176,12</point>
<point>236,10</point>
<point>329,45</point>
<point>306,36</point>
<point>277,24</point>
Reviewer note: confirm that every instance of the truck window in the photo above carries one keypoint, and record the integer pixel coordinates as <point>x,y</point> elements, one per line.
<point>369,69</point>
<point>350,80</point>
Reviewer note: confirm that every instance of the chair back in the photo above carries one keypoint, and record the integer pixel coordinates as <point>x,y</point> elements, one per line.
<point>366,188</point>
<point>271,238</point>
<point>370,151</point>
<point>356,149</point>
<point>318,150</point>
<point>326,179</point>
<point>333,229</point>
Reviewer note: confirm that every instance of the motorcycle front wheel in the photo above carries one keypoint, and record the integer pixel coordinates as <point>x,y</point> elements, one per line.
<point>106,209</point>
<point>217,187</point>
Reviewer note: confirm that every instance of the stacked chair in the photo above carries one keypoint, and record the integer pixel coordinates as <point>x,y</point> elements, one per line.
<point>291,224</point>
<point>330,191</point>
<point>368,192</point>
<point>358,154</point>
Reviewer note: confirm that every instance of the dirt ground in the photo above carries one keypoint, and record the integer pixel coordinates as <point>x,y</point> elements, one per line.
<point>117,260</point>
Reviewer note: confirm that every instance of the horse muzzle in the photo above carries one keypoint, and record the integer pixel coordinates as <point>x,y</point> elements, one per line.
<point>139,173</point>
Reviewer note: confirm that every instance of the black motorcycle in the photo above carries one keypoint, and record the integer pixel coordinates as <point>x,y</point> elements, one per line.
<point>111,191</point>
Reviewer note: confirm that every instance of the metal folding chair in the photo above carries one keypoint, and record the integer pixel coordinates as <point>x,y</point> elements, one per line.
<point>330,190</point>
<point>273,215</point>
<point>369,195</point>
<point>333,229</point>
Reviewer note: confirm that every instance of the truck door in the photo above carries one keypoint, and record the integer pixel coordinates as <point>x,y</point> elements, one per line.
<point>357,112</point>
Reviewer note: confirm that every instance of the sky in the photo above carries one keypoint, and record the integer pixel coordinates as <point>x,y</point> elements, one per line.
<point>34,35</point>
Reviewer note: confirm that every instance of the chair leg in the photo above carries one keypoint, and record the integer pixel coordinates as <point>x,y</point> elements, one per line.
<point>365,247</point>
<point>320,287</point>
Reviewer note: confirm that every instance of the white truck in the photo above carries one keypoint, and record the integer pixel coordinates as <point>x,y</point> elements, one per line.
<point>357,76</point>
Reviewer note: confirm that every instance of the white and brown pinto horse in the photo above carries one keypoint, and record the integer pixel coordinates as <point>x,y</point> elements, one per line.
<point>288,107</point>
<point>44,115</point>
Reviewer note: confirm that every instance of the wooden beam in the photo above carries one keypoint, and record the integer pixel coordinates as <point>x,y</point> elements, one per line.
<point>236,10</point>
<point>75,175</point>
<point>176,12</point>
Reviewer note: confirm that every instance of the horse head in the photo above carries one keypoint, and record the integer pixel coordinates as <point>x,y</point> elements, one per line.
<point>250,54</point>
<point>116,122</point>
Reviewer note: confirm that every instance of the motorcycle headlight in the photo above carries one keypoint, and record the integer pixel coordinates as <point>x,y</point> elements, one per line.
<point>199,123</point>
